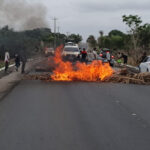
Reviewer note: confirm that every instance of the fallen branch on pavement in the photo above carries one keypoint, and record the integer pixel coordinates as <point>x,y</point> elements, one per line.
<point>123,76</point>
<point>128,77</point>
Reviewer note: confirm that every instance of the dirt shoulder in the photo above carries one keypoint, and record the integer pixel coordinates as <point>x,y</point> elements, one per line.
<point>9,81</point>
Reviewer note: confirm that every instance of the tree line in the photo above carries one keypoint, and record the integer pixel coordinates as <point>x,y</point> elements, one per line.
<point>135,41</point>
<point>31,41</point>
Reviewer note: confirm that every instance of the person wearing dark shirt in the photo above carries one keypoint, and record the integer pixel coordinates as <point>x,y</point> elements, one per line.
<point>17,61</point>
<point>125,58</point>
<point>23,60</point>
<point>143,57</point>
<point>84,55</point>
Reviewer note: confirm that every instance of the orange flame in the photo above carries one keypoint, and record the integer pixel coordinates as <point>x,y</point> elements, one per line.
<point>65,71</point>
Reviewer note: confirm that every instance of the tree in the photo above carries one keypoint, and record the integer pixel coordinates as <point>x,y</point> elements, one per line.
<point>117,42</point>
<point>133,22</point>
<point>76,38</point>
<point>100,39</point>
<point>116,33</point>
<point>91,41</point>
<point>114,40</point>
<point>117,39</point>
<point>144,35</point>
<point>101,33</point>
<point>28,41</point>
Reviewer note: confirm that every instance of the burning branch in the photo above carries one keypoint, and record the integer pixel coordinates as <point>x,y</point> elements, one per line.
<point>65,71</point>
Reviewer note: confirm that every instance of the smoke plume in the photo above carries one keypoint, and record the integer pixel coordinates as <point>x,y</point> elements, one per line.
<point>22,14</point>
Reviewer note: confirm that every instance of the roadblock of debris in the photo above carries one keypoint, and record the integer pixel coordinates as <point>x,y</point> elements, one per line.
<point>122,76</point>
<point>128,77</point>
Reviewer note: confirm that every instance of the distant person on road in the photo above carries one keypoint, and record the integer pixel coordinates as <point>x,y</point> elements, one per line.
<point>108,56</point>
<point>7,57</point>
<point>95,53</point>
<point>17,61</point>
<point>143,57</point>
<point>80,50</point>
<point>23,60</point>
<point>80,53</point>
<point>84,55</point>
<point>119,58</point>
<point>125,58</point>
<point>118,55</point>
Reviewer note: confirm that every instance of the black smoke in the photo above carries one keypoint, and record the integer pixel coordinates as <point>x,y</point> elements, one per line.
<point>22,14</point>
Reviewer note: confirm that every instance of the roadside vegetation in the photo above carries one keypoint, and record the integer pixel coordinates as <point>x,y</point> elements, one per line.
<point>133,43</point>
<point>1,64</point>
<point>30,41</point>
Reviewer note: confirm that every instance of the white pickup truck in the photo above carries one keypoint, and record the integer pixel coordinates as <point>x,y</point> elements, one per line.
<point>71,52</point>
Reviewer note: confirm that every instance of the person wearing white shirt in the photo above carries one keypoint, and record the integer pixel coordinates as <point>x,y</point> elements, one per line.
<point>7,57</point>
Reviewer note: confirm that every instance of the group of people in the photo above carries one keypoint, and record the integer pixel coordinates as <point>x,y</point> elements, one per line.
<point>121,56</point>
<point>125,58</point>
<point>18,60</point>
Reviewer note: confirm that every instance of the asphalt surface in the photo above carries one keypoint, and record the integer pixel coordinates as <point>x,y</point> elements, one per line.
<point>75,116</point>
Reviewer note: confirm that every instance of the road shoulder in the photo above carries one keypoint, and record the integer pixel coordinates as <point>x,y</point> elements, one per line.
<point>8,82</point>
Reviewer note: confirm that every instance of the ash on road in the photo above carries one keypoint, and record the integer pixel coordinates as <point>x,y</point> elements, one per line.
<point>75,116</point>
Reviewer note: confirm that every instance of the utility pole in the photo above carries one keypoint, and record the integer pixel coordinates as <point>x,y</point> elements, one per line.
<point>67,35</point>
<point>58,28</point>
<point>55,19</point>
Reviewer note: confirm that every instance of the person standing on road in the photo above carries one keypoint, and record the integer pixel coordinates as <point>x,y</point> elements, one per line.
<point>84,55</point>
<point>119,58</point>
<point>7,57</point>
<point>95,53</point>
<point>23,60</point>
<point>143,57</point>
<point>108,56</point>
<point>17,61</point>
<point>125,58</point>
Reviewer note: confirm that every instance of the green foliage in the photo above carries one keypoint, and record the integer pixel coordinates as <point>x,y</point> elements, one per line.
<point>134,42</point>
<point>140,34</point>
<point>27,41</point>
<point>30,41</point>
<point>2,64</point>
<point>144,35</point>
<point>92,41</point>
<point>117,42</point>
<point>116,33</point>
<point>74,38</point>
<point>133,21</point>
<point>114,40</point>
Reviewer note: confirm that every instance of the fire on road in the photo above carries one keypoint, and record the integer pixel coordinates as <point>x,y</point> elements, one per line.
<point>96,71</point>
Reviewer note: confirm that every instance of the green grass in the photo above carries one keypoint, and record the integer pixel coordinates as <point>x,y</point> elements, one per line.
<point>2,64</point>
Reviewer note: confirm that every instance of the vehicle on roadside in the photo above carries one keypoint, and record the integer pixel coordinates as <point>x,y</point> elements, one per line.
<point>49,51</point>
<point>71,53</point>
<point>145,65</point>
<point>103,57</point>
<point>71,44</point>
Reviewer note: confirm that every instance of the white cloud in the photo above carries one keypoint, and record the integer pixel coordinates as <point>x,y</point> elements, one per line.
<point>89,16</point>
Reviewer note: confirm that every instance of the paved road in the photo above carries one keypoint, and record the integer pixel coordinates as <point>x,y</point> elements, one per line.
<point>75,116</point>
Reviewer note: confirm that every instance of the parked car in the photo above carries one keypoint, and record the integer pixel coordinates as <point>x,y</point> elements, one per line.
<point>103,56</point>
<point>71,44</point>
<point>71,53</point>
<point>49,51</point>
<point>145,65</point>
